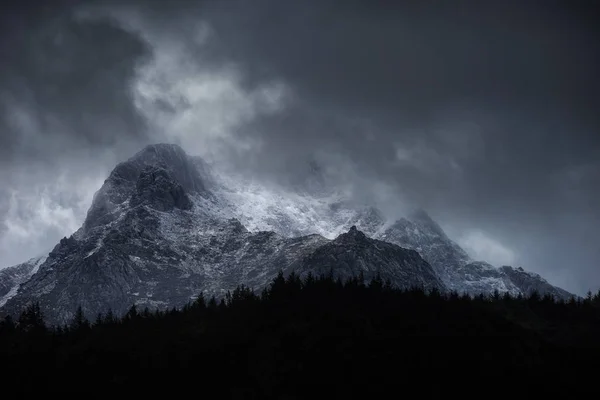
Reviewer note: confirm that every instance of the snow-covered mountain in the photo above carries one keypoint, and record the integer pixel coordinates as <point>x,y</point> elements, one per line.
<point>166,226</point>
<point>315,208</point>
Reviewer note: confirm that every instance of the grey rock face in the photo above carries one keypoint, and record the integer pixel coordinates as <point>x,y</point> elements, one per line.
<point>353,253</point>
<point>172,158</point>
<point>480,277</point>
<point>159,190</point>
<point>426,237</point>
<point>177,169</point>
<point>529,282</point>
<point>11,278</point>
<point>421,233</point>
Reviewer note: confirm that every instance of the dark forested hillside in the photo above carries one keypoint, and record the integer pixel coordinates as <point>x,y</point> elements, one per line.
<point>311,338</point>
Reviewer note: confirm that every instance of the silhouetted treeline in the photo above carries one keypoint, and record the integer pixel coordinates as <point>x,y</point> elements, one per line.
<point>311,338</point>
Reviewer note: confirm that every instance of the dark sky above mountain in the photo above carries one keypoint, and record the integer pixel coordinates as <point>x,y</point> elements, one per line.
<point>483,112</point>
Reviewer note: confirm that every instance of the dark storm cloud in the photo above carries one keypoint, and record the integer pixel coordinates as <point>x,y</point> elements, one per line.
<point>64,81</point>
<point>483,112</point>
<point>518,72</point>
<point>505,91</point>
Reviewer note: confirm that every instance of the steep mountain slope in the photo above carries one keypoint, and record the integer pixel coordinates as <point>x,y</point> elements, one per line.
<point>158,233</point>
<point>422,234</point>
<point>11,278</point>
<point>455,267</point>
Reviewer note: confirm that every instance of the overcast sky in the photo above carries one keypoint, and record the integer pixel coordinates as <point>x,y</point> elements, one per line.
<point>484,113</point>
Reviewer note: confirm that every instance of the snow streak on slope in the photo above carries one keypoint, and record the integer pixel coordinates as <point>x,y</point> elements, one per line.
<point>12,278</point>
<point>271,208</point>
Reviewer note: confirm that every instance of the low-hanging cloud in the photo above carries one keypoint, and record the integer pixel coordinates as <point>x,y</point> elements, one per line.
<point>482,247</point>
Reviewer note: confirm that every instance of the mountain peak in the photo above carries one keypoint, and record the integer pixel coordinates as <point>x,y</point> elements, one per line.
<point>159,151</point>
<point>353,235</point>
<point>172,158</point>
<point>165,167</point>
<point>162,147</point>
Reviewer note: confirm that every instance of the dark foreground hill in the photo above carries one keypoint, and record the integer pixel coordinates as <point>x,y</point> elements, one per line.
<point>312,338</point>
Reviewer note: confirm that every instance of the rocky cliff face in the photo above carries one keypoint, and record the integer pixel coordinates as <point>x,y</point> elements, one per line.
<point>164,227</point>
<point>528,282</point>
<point>160,175</point>
<point>422,234</point>
<point>352,254</point>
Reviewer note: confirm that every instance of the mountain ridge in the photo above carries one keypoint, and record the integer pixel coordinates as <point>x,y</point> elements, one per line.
<point>164,227</point>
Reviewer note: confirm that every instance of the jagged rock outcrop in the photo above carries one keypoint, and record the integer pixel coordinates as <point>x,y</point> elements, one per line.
<point>170,164</point>
<point>156,188</point>
<point>352,254</point>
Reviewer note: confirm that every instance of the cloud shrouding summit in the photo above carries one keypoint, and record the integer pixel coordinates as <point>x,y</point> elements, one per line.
<point>484,113</point>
